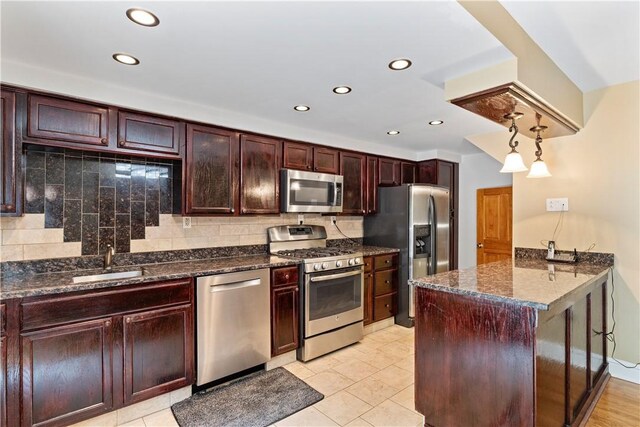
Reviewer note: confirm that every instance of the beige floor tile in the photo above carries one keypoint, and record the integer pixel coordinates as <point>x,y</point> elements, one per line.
<point>329,382</point>
<point>144,408</point>
<point>308,417</point>
<point>321,364</point>
<point>162,418</point>
<point>180,394</point>
<point>401,330</point>
<point>406,398</point>
<point>379,359</point>
<point>390,414</point>
<point>371,343</point>
<point>397,350</point>
<point>358,422</point>
<point>135,423</point>
<point>299,370</point>
<point>408,363</point>
<point>105,420</point>
<point>372,390</point>
<point>342,407</point>
<point>395,377</point>
<point>356,370</point>
<point>347,354</point>
<point>385,336</point>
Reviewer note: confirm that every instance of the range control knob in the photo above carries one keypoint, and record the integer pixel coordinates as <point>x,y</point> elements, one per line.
<point>352,261</point>
<point>358,260</point>
<point>338,263</point>
<point>324,265</point>
<point>316,267</point>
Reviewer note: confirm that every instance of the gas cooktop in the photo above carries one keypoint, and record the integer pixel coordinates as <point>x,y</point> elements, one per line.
<point>307,253</point>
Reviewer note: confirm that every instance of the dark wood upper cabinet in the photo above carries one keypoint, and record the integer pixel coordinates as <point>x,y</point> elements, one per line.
<point>297,155</point>
<point>260,160</point>
<point>353,167</point>
<point>149,134</point>
<point>67,373</point>
<point>372,185</point>
<point>10,157</point>
<point>326,160</point>
<point>69,122</point>
<point>408,172</point>
<point>388,171</point>
<point>156,354</point>
<point>211,164</point>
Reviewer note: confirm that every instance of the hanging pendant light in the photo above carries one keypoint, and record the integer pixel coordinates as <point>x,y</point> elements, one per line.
<point>538,167</point>
<point>513,162</point>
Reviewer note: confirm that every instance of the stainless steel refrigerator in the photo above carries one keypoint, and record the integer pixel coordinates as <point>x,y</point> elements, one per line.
<point>415,219</point>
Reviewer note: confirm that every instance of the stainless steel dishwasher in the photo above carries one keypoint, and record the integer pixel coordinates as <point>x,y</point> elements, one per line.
<point>233,323</point>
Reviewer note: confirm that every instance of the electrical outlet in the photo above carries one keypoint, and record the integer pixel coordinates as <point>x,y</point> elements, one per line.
<point>558,205</point>
<point>333,219</point>
<point>300,219</point>
<point>186,222</point>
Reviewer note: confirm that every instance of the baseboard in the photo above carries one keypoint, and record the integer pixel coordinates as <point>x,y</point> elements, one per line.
<point>378,326</point>
<point>628,374</point>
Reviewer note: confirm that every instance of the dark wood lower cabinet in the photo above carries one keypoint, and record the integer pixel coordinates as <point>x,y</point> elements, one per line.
<point>380,287</point>
<point>67,373</point>
<point>368,298</point>
<point>285,301</point>
<point>482,362</point>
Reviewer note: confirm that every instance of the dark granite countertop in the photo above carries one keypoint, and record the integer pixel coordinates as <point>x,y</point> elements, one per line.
<point>30,284</point>
<point>18,286</point>
<point>529,282</point>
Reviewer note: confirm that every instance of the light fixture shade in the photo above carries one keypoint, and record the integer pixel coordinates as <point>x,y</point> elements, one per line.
<point>538,170</point>
<point>513,163</point>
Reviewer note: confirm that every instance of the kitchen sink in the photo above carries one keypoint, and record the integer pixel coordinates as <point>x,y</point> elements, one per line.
<point>108,276</point>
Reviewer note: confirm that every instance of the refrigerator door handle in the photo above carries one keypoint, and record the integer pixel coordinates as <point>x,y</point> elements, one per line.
<point>432,250</point>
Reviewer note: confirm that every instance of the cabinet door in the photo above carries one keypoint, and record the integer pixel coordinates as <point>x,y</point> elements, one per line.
<point>67,121</point>
<point>388,172</point>
<point>408,172</point>
<point>260,160</point>
<point>212,171</point>
<point>384,307</point>
<point>138,132</point>
<point>10,156</point>
<point>284,319</point>
<point>298,156</point>
<point>67,373</point>
<point>326,160</point>
<point>427,172</point>
<point>353,167</point>
<point>368,298</point>
<point>158,352</point>
<point>372,185</point>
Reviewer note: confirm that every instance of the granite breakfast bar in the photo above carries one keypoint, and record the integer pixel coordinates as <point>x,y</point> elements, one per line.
<point>516,342</point>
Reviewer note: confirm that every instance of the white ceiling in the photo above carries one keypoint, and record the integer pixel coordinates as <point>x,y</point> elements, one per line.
<point>595,43</point>
<point>259,59</point>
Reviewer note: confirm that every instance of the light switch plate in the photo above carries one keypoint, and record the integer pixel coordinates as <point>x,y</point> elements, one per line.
<point>186,222</point>
<point>300,219</point>
<point>558,205</point>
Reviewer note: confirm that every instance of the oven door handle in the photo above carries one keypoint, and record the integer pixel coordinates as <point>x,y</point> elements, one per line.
<point>335,276</point>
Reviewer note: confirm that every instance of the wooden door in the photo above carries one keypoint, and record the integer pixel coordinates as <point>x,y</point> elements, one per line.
<point>368,290</point>
<point>388,171</point>
<point>353,167</point>
<point>260,160</point>
<point>212,171</point>
<point>284,309</point>
<point>67,373</point>
<point>67,121</point>
<point>494,224</point>
<point>372,185</point>
<point>408,173</point>
<point>138,132</point>
<point>326,160</point>
<point>158,352</point>
<point>297,155</point>
<point>10,157</point>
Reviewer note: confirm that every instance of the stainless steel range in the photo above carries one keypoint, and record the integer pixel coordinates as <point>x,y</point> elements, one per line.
<point>332,292</point>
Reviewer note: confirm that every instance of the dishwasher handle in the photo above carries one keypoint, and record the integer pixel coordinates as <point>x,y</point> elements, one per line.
<point>223,287</point>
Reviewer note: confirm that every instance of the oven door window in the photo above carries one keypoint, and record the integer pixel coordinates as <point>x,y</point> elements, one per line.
<point>303,192</point>
<point>329,295</point>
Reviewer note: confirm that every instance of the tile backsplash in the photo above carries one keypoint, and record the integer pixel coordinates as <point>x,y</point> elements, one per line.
<point>78,202</point>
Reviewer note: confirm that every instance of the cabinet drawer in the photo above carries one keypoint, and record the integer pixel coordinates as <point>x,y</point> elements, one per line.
<point>150,134</point>
<point>384,307</point>
<point>386,261</point>
<point>386,281</point>
<point>73,308</point>
<point>284,276</point>
<point>368,264</point>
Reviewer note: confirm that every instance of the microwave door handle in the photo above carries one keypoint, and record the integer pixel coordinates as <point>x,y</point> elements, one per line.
<point>335,194</point>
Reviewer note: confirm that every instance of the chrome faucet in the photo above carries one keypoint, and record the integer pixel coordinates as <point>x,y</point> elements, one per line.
<point>108,257</point>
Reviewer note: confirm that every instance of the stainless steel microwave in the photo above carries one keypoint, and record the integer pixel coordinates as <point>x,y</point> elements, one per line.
<point>303,191</point>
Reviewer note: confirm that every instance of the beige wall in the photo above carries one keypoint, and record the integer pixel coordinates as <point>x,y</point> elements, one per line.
<point>25,238</point>
<point>598,169</point>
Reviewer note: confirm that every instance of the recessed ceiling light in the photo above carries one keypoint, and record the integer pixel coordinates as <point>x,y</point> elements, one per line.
<point>142,17</point>
<point>125,59</point>
<point>436,122</point>
<point>400,64</point>
<point>301,108</point>
<point>341,90</point>
<point>393,132</point>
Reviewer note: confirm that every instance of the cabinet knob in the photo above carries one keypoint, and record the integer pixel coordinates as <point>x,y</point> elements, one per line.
<point>363,211</point>
<point>387,261</point>
<point>107,323</point>
<point>386,305</point>
<point>120,143</point>
<point>232,210</point>
<point>104,141</point>
<point>308,166</point>
<point>387,282</point>
<point>244,210</point>
<point>128,319</point>
<point>286,276</point>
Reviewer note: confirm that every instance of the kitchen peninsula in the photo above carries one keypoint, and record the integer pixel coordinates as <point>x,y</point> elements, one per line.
<point>515,342</point>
